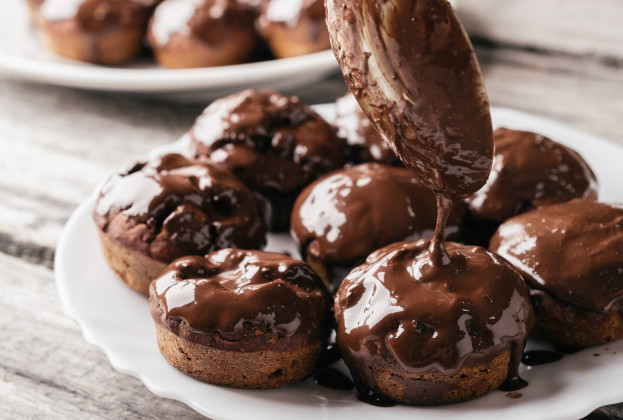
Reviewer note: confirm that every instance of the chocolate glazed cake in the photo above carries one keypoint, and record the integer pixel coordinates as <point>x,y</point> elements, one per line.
<point>246,319</point>
<point>273,143</point>
<point>571,254</point>
<point>413,70</point>
<point>292,28</point>
<point>202,33</point>
<point>347,214</point>
<point>97,31</point>
<point>529,171</point>
<point>154,212</point>
<point>364,142</point>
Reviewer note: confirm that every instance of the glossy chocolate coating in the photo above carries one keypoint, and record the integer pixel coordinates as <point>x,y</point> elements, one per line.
<point>573,251</point>
<point>414,72</point>
<point>233,294</point>
<point>399,309</point>
<point>364,142</point>
<point>99,15</point>
<point>530,171</point>
<point>290,13</point>
<point>207,20</point>
<point>274,144</point>
<point>346,215</point>
<point>171,206</point>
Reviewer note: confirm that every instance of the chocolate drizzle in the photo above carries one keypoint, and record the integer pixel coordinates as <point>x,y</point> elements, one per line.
<point>577,260</point>
<point>426,306</point>
<point>390,202</point>
<point>207,20</point>
<point>540,357</point>
<point>428,317</point>
<point>530,171</point>
<point>99,15</point>
<point>246,292</point>
<point>274,144</point>
<point>171,206</point>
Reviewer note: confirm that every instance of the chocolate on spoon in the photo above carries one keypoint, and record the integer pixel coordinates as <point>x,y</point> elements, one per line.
<point>414,72</point>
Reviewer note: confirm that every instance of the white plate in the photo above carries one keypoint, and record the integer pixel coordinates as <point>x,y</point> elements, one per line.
<point>117,319</point>
<point>23,55</point>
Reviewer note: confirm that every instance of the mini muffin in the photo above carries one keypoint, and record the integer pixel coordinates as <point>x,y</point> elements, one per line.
<point>416,333</point>
<point>571,255</point>
<point>274,144</point>
<point>251,320</point>
<point>202,33</point>
<point>157,211</point>
<point>95,31</point>
<point>341,218</point>
<point>529,171</point>
<point>293,27</point>
<point>364,142</point>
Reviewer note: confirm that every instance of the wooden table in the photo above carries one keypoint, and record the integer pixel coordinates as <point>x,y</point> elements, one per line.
<point>561,59</point>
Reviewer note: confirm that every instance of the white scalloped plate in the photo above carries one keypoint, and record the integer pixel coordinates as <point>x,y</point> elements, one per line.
<point>116,319</point>
<point>23,55</point>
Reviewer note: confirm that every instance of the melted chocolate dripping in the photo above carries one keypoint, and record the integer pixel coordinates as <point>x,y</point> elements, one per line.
<point>540,357</point>
<point>371,397</point>
<point>330,355</point>
<point>333,379</point>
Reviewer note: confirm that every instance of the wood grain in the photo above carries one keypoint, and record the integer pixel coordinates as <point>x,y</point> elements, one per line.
<point>48,371</point>
<point>580,27</point>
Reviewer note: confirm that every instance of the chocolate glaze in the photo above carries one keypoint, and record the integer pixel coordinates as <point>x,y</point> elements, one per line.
<point>334,379</point>
<point>99,15</point>
<point>530,171</point>
<point>540,357</point>
<point>572,251</point>
<point>291,13</point>
<point>401,310</point>
<point>364,142</point>
<point>207,20</point>
<point>567,349</point>
<point>330,355</point>
<point>232,295</point>
<point>344,216</point>
<point>274,144</point>
<point>171,206</point>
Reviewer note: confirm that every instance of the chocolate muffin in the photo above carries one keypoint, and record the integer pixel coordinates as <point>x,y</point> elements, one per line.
<point>571,255</point>
<point>293,28</point>
<point>529,171</point>
<point>344,216</point>
<point>273,143</point>
<point>251,320</point>
<point>154,212</point>
<point>364,142</point>
<point>95,31</point>
<point>421,334</point>
<point>202,33</point>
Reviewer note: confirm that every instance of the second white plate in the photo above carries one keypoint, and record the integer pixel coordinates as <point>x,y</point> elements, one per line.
<point>22,55</point>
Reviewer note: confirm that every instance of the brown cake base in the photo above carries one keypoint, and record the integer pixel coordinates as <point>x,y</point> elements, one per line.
<point>111,47</point>
<point>135,269</point>
<point>263,369</point>
<point>435,388</point>
<point>184,53</point>
<point>571,325</point>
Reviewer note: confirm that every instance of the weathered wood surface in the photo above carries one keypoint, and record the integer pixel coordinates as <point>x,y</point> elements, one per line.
<point>57,144</point>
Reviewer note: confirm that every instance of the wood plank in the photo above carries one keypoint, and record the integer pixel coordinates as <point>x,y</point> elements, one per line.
<point>48,370</point>
<point>579,27</point>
